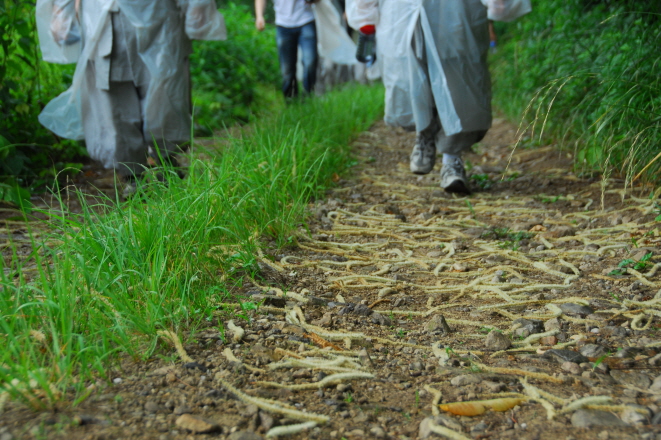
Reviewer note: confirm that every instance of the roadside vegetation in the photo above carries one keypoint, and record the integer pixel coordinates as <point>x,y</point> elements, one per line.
<point>585,73</point>
<point>80,290</point>
<point>103,283</point>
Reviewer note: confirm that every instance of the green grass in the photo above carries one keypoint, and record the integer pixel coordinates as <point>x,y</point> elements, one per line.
<point>102,283</point>
<point>584,75</point>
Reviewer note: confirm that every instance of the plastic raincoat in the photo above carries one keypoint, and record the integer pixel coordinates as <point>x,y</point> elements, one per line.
<point>433,55</point>
<point>337,51</point>
<point>434,67</point>
<point>131,88</point>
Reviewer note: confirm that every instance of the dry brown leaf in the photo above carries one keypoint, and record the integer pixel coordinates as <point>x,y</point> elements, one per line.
<point>477,407</point>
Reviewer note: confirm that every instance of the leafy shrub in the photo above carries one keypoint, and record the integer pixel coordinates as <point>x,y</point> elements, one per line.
<point>29,154</point>
<point>587,72</point>
<point>227,75</point>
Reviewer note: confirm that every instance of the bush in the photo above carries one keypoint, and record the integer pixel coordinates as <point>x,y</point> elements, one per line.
<point>227,75</point>
<point>29,154</point>
<point>587,72</point>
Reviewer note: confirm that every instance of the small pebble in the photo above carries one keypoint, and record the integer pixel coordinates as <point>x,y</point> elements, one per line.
<point>571,367</point>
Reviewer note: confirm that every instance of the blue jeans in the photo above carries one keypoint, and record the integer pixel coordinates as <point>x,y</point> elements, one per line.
<point>288,40</point>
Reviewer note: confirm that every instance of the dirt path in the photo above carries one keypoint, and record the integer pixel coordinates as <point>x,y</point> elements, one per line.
<point>402,296</point>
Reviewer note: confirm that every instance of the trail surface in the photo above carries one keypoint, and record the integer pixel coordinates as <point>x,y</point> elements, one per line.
<point>539,294</point>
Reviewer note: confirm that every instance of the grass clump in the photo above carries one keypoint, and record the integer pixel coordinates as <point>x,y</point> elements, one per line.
<point>507,238</point>
<point>586,73</point>
<point>102,283</point>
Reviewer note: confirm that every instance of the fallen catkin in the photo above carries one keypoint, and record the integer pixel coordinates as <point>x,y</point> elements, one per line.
<point>446,432</point>
<point>290,429</point>
<point>237,332</point>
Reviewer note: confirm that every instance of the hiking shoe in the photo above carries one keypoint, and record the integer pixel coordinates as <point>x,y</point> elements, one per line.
<point>423,156</point>
<point>453,177</point>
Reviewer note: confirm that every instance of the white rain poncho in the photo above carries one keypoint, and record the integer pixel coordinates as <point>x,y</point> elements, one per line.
<point>433,55</point>
<point>336,49</point>
<point>333,41</point>
<point>506,10</point>
<point>131,86</point>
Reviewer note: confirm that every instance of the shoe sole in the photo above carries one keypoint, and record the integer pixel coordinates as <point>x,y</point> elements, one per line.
<point>420,170</point>
<point>457,187</point>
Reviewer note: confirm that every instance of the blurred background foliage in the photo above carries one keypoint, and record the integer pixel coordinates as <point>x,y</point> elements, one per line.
<point>586,72</point>
<point>231,80</point>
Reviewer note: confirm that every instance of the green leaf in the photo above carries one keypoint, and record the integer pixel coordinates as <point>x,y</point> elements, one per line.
<point>626,262</point>
<point>16,195</point>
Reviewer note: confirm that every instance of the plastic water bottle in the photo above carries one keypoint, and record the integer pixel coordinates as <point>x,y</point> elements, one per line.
<point>366,51</point>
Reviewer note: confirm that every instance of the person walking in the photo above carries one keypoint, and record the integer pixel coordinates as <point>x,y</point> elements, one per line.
<point>131,89</point>
<point>434,61</point>
<point>295,27</point>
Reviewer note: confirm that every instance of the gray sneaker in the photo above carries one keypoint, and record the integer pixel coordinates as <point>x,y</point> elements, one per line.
<point>423,156</point>
<point>453,177</point>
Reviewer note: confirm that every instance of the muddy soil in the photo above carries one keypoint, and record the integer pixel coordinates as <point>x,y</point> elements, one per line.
<point>541,290</point>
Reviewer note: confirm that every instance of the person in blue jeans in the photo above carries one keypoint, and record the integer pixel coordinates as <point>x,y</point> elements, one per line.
<point>296,28</point>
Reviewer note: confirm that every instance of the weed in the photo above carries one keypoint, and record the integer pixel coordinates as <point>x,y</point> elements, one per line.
<point>615,297</point>
<point>349,397</point>
<point>246,307</point>
<point>508,238</point>
<point>636,265</point>
<point>470,207</point>
<point>549,199</point>
<point>417,398</point>
<point>482,180</point>
<point>599,360</point>
<point>509,245</point>
<point>475,369</point>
